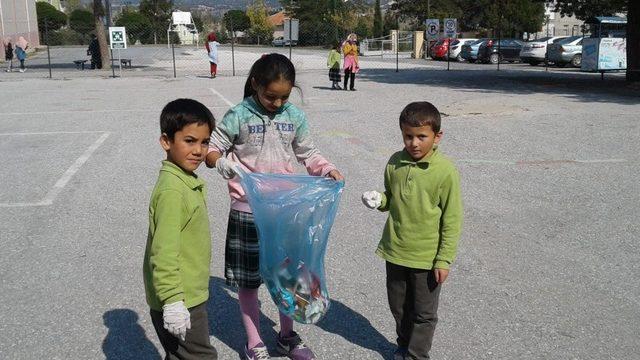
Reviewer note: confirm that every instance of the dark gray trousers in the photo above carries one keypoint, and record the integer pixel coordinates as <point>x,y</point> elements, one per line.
<point>413,300</point>
<point>196,345</point>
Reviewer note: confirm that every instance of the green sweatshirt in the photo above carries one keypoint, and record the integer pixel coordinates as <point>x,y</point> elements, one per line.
<point>178,253</point>
<point>425,211</point>
<point>333,60</point>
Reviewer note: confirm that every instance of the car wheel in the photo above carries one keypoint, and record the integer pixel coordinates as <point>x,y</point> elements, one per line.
<point>494,58</point>
<point>471,61</point>
<point>576,61</point>
<point>533,63</point>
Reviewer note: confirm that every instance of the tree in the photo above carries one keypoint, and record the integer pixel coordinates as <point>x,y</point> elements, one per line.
<point>159,14</point>
<point>137,26</point>
<point>261,28</point>
<point>49,18</point>
<point>71,5</point>
<point>378,26</point>
<point>238,19</point>
<point>588,8</point>
<point>81,21</point>
<point>98,13</point>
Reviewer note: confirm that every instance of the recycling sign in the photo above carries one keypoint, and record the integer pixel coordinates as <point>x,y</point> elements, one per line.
<point>117,38</point>
<point>433,28</point>
<point>450,28</point>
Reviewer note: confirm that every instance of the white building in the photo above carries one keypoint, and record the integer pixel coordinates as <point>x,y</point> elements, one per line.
<point>18,18</point>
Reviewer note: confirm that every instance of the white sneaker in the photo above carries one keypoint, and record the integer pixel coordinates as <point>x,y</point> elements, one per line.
<point>22,70</point>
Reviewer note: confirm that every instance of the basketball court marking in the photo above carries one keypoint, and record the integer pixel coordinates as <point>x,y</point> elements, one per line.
<point>71,171</point>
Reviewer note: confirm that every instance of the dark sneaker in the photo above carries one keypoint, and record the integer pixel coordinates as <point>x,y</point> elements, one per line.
<point>400,353</point>
<point>258,352</point>
<point>294,348</point>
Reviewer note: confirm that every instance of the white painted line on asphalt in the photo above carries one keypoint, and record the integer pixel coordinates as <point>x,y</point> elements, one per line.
<point>62,182</point>
<point>222,97</point>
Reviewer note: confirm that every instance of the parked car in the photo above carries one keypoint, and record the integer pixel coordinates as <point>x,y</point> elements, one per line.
<point>280,41</point>
<point>470,51</point>
<point>535,52</point>
<point>456,48</point>
<point>439,49</point>
<point>565,51</point>
<point>509,50</point>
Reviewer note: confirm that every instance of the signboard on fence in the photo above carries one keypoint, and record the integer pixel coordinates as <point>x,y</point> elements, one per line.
<point>450,28</point>
<point>117,38</point>
<point>433,28</point>
<point>291,27</point>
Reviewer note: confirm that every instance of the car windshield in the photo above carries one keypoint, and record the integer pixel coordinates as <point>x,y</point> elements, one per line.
<point>568,40</point>
<point>455,42</point>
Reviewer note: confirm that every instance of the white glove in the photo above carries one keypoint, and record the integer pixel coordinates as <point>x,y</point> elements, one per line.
<point>372,199</point>
<point>227,168</point>
<point>176,319</point>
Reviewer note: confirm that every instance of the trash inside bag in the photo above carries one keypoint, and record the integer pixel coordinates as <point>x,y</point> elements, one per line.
<point>294,214</point>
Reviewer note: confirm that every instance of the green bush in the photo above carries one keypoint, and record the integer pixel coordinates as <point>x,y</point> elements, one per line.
<point>67,37</point>
<point>49,17</point>
<point>81,21</point>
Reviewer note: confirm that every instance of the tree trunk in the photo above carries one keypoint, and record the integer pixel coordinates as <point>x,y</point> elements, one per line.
<point>633,41</point>
<point>98,11</point>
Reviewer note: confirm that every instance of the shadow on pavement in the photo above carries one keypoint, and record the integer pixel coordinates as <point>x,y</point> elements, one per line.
<point>225,323</point>
<point>126,339</point>
<point>582,87</point>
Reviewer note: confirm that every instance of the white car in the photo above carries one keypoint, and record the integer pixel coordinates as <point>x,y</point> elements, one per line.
<point>456,47</point>
<point>534,52</point>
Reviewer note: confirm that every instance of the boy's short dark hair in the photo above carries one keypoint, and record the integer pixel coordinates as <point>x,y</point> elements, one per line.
<point>181,112</point>
<point>421,113</point>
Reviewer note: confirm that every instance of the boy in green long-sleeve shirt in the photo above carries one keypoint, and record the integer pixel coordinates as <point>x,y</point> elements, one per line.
<point>333,63</point>
<point>420,238</point>
<point>178,252</point>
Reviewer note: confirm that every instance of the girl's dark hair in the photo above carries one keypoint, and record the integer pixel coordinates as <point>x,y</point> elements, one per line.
<point>182,112</point>
<point>421,113</point>
<point>267,69</point>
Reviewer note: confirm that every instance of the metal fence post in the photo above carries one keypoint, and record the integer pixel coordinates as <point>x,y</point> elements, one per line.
<point>113,70</point>
<point>233,57</point>
<point>173,53</point>
<point>290,33</point>
<point>46,38</point>
<point>398,48</point>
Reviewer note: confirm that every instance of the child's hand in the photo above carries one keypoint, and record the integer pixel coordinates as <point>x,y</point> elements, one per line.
<point>335,175</point>
<point>441,275</point>
<point>372,199</point>
<point>227,168</point>
<point>176,319</point>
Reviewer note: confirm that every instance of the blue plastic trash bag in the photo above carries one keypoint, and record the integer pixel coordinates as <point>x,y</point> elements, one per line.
<point>293,215</point>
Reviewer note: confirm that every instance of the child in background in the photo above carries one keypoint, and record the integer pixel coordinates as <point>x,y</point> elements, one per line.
<point>258,135</point>
<point>212,49</point>
<point>333,63</point>
<point>178,252</point>
<point>8,53</point>
<point>420,238</point>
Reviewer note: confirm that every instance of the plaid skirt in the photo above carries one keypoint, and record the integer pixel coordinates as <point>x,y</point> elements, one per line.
<point>334,74</point>
<point>242,251</point>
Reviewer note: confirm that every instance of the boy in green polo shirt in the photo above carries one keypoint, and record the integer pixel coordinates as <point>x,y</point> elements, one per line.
<point>178,253</point>
<point>420,238</point>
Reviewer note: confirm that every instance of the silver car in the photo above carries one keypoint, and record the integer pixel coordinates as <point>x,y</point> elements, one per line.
<point>566,51</point>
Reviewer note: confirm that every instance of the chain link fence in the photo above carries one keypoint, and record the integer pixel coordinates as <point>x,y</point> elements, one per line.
<point>68,53</point>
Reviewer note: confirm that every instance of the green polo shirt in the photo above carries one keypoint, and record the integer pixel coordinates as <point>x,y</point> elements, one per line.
<point>425,211</point>
<point>178,253</point>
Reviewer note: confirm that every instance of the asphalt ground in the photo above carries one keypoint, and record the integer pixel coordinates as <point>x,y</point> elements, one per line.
<point>547,265</point>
